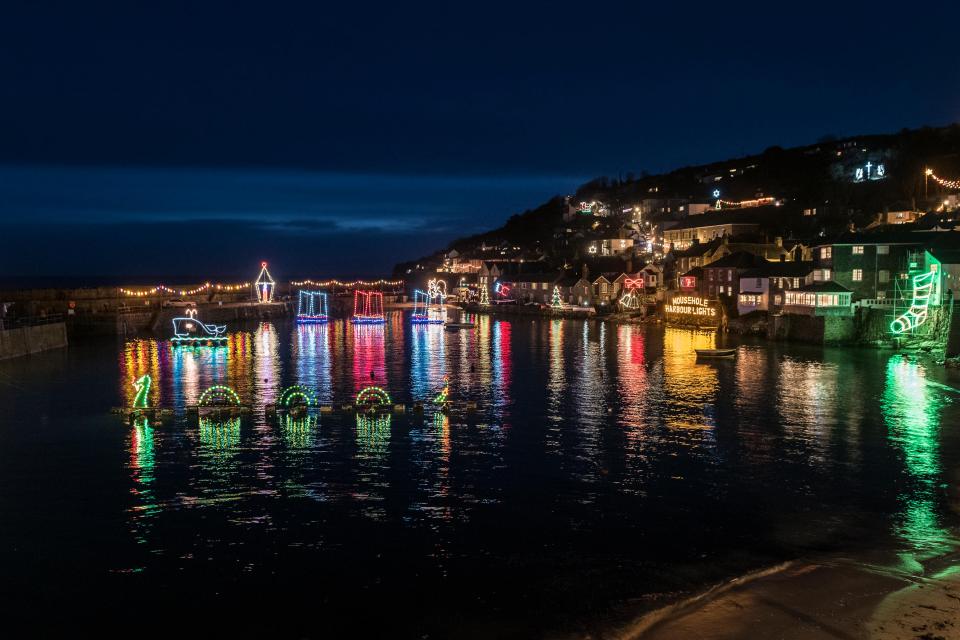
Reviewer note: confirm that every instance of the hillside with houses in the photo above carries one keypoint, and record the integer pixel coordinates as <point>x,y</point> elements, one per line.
<point>818,231</point>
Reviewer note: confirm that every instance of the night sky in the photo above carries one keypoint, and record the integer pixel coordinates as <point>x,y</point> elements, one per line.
<point>195,139</point>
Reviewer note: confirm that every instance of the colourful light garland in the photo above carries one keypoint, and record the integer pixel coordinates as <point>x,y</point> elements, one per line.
<point>949,184</point>
<point>756,202</point>
<point>183,292</point>
<point>348,285</point>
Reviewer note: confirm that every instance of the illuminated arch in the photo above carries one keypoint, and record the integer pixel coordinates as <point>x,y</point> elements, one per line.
<point>219,395</point>
<point>297,394</point>
<point>373,397</point>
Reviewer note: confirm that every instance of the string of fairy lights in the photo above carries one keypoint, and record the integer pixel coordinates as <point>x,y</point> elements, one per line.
<point>229,288</point>
<point>160,288</point>
<point>947,184</point>
<point>355,283</point>
<point>756,202</point>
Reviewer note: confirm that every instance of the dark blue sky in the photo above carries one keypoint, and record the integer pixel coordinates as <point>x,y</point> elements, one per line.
<point>374,133</point>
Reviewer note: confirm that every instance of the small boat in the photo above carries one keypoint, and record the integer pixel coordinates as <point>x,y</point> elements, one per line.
<point>456,326</point>
<point>716,353</point>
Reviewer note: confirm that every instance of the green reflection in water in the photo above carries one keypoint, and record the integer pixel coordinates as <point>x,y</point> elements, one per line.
<point>142,464</point>
<point>298,432</point>
<point>373,434</point>
<point>220,435</point>
<point>911,409</point>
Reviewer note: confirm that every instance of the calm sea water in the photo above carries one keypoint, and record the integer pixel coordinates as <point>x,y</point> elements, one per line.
<point>604,472</point>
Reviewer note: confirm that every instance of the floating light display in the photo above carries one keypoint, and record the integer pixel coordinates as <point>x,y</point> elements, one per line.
<point>264,285</point>
<point>219,395</point>
<point>312,307</point>
<point>443,397</point>
<point>188,329</point>
<point>502,290</point>
<point>373,398</point>
<point>367,307</point>
<point>484,295</point>
<point>142,385</point>
<point>183,292</point>
<point>916,315</point>
<point>297,395</point>
<point>421,309</point>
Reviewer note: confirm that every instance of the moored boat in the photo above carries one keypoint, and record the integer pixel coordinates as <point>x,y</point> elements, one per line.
<point>716,353</point>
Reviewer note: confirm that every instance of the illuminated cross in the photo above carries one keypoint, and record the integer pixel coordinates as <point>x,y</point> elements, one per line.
<point>868,165</point>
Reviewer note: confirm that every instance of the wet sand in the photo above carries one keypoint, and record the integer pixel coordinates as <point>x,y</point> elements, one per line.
<point>837,599</point>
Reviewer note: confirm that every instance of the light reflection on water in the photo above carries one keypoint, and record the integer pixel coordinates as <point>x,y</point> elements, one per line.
<point>593,443</point>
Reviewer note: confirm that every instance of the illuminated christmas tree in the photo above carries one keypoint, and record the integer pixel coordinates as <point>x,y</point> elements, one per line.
<point>484,295</point>
<point>557,301</point>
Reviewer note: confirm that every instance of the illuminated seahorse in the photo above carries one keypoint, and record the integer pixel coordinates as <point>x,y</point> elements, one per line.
<point>916,315</point>
<point>142,385</point>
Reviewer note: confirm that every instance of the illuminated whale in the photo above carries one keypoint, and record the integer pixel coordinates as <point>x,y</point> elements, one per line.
<point>189,329</point>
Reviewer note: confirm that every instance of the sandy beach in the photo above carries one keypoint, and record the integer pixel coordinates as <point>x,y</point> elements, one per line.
<point>840,598</point>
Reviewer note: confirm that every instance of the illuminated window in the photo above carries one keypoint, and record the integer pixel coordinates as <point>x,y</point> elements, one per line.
<point>858,250</point>
<point>826,252</point>
<point>857,275</point>
<point>883,250</point>
<point>883,275</point>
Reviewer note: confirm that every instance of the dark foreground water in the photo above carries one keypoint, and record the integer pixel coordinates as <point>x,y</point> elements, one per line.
<point>604,473</point>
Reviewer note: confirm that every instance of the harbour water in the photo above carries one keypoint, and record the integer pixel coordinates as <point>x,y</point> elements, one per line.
<point>605,471</point>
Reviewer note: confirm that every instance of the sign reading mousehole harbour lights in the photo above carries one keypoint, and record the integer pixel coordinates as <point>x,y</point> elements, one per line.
<point>692,310</point>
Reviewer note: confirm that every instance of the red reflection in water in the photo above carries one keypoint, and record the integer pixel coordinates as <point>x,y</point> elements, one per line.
<point>369,363</point>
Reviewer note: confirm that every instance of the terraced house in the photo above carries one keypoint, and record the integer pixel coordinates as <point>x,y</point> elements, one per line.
<point>868,264</point>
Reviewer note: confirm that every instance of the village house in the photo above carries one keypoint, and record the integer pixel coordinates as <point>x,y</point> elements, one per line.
<point>609,246</point>
<point>722,277</point>
<point>531,287</point>
<point>868,264</point>
<point>709,226</point>
<point>762,288</point>
<point>605,291</point>
<point>818,299</point>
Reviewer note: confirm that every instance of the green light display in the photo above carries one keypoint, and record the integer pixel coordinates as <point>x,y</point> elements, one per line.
<point>297,395</point>
<point>218,396</point>
<point>142,384</point>
<point>373,397</point>
<point>916,315</point>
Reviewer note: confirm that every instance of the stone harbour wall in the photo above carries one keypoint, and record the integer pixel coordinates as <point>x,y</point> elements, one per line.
<point>22,341</point>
